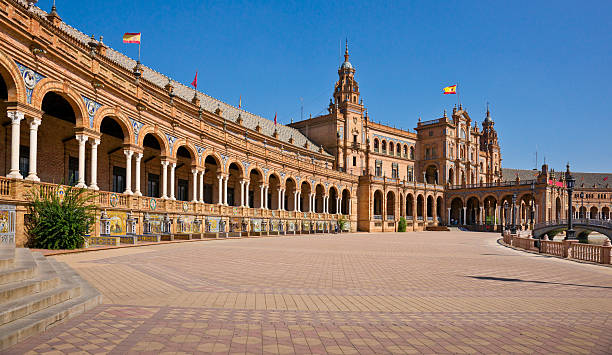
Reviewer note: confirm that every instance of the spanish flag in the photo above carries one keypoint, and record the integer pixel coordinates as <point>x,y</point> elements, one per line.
<point>450,90</point>
<point>131,38</point>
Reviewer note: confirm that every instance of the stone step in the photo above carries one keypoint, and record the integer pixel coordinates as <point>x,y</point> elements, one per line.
<point>46,279</point>
<point>24,268</point>
<point>7,258</point>
<point>37,322</point>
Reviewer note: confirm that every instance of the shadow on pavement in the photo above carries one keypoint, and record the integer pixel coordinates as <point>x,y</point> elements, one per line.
<point>492,278</point>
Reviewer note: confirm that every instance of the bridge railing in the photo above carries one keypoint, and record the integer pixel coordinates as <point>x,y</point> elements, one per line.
<point>571,249</point>
<point>583,221</point>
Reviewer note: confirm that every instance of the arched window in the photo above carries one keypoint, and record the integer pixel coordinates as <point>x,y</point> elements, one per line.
<point>384,146</point>
<point>405,151</point>
<point>391,148</point>
<point>412,152</point>
<point>376,145</point>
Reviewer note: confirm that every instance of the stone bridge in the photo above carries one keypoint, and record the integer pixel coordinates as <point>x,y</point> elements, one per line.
<point>580,225</point>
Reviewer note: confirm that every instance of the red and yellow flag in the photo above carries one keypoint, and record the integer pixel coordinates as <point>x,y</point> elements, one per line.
<point>131,38</point>
<point>450,90</point>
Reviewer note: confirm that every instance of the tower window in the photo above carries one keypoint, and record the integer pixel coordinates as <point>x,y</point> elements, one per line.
<point>354,161</point>
<point>354,138</point>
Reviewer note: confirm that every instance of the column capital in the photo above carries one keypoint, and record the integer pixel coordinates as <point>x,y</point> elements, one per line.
<point>15,116</point>
<point>95,142</point>
<point>128,153</point>
<point>34,123</point>
<point>81,138</point>
<point>165,163</point>
<point>194,170</point>
<point>138,154</point>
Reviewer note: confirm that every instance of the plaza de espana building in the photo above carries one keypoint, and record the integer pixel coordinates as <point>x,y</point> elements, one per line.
<point>166,161</point>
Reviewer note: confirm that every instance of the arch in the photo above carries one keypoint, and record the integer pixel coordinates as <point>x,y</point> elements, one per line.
<point>47,85</point>
<point>290,189</point>
<point>411,152</point>
<point>235,175</point>
<point>237,164</point>
<point>430,207</point>
<point>212,167</point>
<point>490,206</point>
<point>161,138</point>
<point>305,191</point>
<point>274,183</point>
<point>451,176</point>
<point>390,212</point>
<point>456,212</point>
<point>319,197</point>
<point>405,150</point>
<point>409,206</point>
<point>383,146</point>
<point>190,148</point>
<point>473,210</point>
<point>120,118</point>
<point>377,207</point>
<point>439,208</point>
<point>13,79</point>
<point>333,195</point>
<point>258,170</point>
<point>558,209</point>
<point>212,155</point>
<point>376,145</point>
<point>593,213</point>
<point>391,148</point>
<point>345,202</point>
<point>420,207</point>
<point>605,213</point>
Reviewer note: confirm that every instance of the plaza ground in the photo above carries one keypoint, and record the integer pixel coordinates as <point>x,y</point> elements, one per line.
<point>422,292</point>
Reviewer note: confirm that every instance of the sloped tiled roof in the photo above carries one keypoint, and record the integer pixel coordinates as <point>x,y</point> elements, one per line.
<point>208,103</point>
<point>589,180</point>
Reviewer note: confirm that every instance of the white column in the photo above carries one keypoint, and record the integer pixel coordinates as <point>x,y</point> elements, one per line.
<point>279,205</point>
<point>194,172</point>
<point>246,193</point>
<point>93,183</point>
<point>225,190</point>
<point>298,205</point>
<point>15,117</point>
<point>220,188</point>
<point>164,179</point>
<point>295,194</point>
<point>172,182</point>
<point>497,221</point>
<point>242,193</point>
<point>34,123</point>
<point>481,215</point>
<point>137,175</point>
<point>311,204</point>
<point>448,221</point>
<point>326,204</point>
<point>202,184</point>
<point>128,169</point>
<point>464,215</point>
<point>82,139</point>
<point>339,205</point>
<point>261,193</point>
<point>284,207</point>
<point>266,198</point>
<point>350,205</point>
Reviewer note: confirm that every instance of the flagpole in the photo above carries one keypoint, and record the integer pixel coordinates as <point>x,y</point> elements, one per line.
<point>139,50</point>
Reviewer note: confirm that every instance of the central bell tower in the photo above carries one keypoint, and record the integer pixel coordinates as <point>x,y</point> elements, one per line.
<point>348,109</point>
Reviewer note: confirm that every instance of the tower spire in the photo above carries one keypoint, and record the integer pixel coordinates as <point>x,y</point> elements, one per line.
<point>346,52</point>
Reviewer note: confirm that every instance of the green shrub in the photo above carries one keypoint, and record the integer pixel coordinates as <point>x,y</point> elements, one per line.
<point>401,227</point>
<point>59,222</point>
<point>341,223</point>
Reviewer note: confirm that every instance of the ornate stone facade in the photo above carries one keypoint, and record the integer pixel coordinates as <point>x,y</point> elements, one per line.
<point>163,158</point>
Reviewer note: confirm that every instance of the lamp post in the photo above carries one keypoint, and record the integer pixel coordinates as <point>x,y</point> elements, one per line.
<point>582,214</point>
<point>506,215</point>
<point>532,203</point>
<point>513,228</point>
<point>569,181</point>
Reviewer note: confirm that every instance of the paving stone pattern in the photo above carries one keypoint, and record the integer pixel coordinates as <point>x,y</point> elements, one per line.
<point>405,293</point>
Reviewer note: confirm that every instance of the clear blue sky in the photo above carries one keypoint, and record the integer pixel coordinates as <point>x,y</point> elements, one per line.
<point>544,66</point>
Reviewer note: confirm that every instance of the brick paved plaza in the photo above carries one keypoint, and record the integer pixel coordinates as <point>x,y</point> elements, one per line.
<point>425,292</point>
